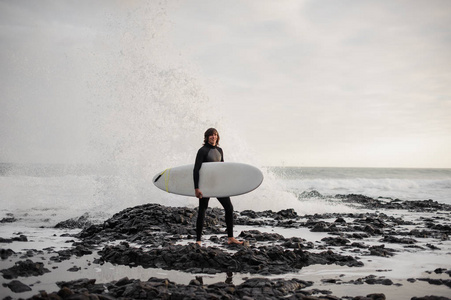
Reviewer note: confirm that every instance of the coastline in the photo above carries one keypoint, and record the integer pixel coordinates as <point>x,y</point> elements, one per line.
<point>403,248</point>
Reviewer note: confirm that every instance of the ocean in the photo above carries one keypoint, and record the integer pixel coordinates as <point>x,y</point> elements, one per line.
<point>42,195</point>
<point>404,184</point>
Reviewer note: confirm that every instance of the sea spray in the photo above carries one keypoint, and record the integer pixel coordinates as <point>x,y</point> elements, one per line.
<point>151,112</point>
<point>142,108</point>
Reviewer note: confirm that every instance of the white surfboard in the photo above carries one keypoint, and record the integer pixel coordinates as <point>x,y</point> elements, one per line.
<point>216,179</point>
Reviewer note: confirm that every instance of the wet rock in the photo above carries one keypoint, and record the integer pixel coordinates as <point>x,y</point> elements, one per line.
<point>123,281</point>
<point>377,296</point>
<point>262,287</point>
<point>373,280</point>
<point>21,238</point>
<point>144,219</point>
<point>440,270</point>
<point>79,250</point>
<point>360,199</point>
<point>377,222</point>
<point>381,251</point>
<point>370,229</point>
<point>17,287</point>
<point>8,220</point>
<point>65,292</point>
<point>5,253</point>
<point>419,206</point>
<point>393,239</point>
<point>430,298</point>
<point>155,288</point>
<point>189,258</point>
<point>250,213</point>
<point>286,214</point>
<point>82,284</point>
<point>321,227</point>
<point>74,269</point>
<point>80,222</point>
<point>340,220</point>
<point>255,235</point>
<point>25,269</point>
<point>311,194</point>
<point>195,259</point>
<point>336,241</point>
<point>434,281</point>
<point>330,280</point>
<point>296,243</point>
<point>154,230</point>
<point>330,257</point>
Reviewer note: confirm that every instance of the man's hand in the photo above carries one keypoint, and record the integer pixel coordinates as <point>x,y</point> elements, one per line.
<point>198,193</point>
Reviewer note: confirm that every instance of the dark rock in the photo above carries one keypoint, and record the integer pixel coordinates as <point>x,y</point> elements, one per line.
<point>65,292</point>
<point>255,235</point>
<point>439,270</point>
<point>329,257</point>
<point>340,220</point>
<point>320,227</point>
<point>5,253</point>
<point>123,281</point>
<point>393,239</point>
<point>295,243</point>
<point>81,222</point>
<point>446,282</point>
<point>8,220</point>
<point>381,251</point>
<point>18,287</point>
<point>376,296</point>
<point>335,241</point>
<point>286,214</point>
<point>156,229</point>
<point>433,247</point>
<point>311,194</point>
<point>192,258</point>
<point>82,284</point>
<point>21,238</point>
<point>74,269</point>
<point>430,298</point>
<point>419,206</point>
<point>25,269</point>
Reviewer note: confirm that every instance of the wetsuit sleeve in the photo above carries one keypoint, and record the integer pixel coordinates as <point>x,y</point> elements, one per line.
<point>197,165</point>
<point>222,154</point>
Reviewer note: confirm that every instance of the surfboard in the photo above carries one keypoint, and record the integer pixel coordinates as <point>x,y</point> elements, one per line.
<point>216,179</point>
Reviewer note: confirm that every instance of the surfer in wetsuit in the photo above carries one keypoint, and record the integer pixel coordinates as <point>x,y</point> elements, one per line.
<point>210,152</point>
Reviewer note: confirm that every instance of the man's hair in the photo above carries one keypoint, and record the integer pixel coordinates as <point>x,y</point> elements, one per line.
<point>208,133</point>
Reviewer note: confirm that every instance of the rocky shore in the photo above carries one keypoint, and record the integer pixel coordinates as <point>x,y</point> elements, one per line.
<point>156,236</point>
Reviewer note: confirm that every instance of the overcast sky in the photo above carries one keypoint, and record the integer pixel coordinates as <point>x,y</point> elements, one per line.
<point>329,83</point>
<point>306,83</point>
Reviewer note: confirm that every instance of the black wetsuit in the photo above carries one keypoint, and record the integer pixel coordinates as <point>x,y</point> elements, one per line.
<point>209,153</point>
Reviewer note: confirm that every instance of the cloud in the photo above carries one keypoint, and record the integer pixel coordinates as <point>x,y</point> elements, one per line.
<point>301,79</point>
<point>354,71</point>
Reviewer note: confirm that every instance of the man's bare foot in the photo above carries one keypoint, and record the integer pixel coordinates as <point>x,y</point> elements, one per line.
<point>232,240</point>
<point>199,243</point>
